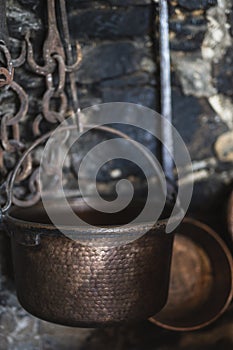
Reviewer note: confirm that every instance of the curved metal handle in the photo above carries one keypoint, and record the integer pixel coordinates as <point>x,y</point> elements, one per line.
<point>9,189</point>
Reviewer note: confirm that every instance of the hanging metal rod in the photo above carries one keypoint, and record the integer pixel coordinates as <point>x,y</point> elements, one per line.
<point>165,83</point>
<point>68,49</point>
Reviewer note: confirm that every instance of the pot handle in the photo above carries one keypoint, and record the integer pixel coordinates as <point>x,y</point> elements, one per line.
<point>43,138</point>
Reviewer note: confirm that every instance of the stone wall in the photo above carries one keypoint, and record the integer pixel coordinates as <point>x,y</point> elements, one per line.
<point>120,55</point>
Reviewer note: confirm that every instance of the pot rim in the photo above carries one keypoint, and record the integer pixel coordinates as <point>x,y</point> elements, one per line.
<point>109,229</point>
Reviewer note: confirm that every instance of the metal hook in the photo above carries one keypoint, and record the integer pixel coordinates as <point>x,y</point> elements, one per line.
<point>52,44</point>
<point>8,71</point>
<point>73,67</point>
<point>19,61</point>
<point>41,70</point>
<point>23,98</point>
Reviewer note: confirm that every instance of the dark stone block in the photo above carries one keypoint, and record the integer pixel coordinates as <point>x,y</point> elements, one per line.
<point>186,110</point>
<point>197,124</point>
<point>89,97</point>
<point>110,23</point>
<point>189,33</point>
<point>208,197</point>
<point>223,73</point>
<point>129,2</point>
<point>197,4</point>
<point>127,168</point>
<point>143,95</point>
<point>109,60</point>
<point>21,18</point>
<point>82,4</point>
<point>25,78</point>
<point>30,3</point>
<point>188,23</point>
<point>136,79</point>
<point>86,4</point>
<point>192,43</point>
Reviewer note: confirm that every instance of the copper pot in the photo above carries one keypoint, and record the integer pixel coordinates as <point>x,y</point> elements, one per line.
<point>201,279</point>
<point>63,281</point>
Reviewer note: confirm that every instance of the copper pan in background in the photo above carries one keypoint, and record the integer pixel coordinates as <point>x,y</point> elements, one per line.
<point>201,279</point>
<point>230,216</point>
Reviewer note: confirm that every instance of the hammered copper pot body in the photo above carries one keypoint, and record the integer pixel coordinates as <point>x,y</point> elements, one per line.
<point>62,281</point>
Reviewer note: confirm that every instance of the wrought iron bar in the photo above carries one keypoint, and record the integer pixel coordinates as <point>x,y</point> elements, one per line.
<point>69,55</point>
<point>166,96</point>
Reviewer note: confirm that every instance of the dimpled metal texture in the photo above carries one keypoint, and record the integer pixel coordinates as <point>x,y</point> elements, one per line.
<point>65,282</point>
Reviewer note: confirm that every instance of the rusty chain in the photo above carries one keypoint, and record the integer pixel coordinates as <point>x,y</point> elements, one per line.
<point>55,71</point>
<point>11,143</point>
<point>54,64</point>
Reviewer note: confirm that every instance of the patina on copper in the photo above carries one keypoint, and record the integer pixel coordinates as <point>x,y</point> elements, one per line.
<point>201,279</point>
<point>63,281</point>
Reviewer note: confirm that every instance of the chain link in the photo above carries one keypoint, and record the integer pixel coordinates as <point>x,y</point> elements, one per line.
<point>55,93</point>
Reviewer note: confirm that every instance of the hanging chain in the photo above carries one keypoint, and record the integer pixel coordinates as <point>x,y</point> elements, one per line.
<point>57,69</point>
<point>54,100</point>
<point>54,66</point>
<point>7,71</point>
<point>11,144</point>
